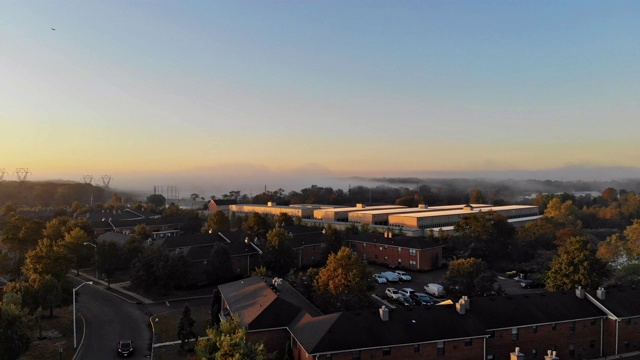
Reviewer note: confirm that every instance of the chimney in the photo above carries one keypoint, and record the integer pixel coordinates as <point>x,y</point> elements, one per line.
<point>466,301</point>
<point>517,355</point>
<point>460,307</point>
<point>384,313</point>
<point>271,203</point>
<point>580,292</point>
<point>423,206</point>
<point>600,293</point>
<point>551,355</point>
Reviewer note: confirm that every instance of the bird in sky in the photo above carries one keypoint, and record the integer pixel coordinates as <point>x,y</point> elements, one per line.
<point>53,29</point>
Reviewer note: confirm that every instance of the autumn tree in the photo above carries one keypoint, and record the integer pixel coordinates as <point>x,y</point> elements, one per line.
<point>218,221</point>
<point>48,258</point>
<point>490,234</point>
<point>74,243</point>
<point>564,212</point>
<point>476,197</point>
<point>576,264</point>
<point>256,225</point>
<point>158,271</point>
<point>109,259</point>
<point>19,235</point>
<point>284,219</point>
<point>228,340</point>
<point>279,256</point>
<point>345,280</point>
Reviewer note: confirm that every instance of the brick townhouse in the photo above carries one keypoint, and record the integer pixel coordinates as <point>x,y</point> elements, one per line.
<point>573,325</point>
<point>408,252</point>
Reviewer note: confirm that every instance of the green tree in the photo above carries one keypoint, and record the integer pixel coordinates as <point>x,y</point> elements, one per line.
<point>220,268</point>
<point>279,256</point>
<point>228,341</point>
<point>345,280</point>
<point>16,327</point>
<point>185,326</point>
<point>9,209</point>
<point>157,200</point>
<point>490,234</point>
<point>284,219</point>
<point>335,239</point>
<point>469,277</point>
<point>157,271</point>
<point>172,210</point>
<point>218,221</point>
<point>48,291</point>
<point>576,264</point>
<point>109,259</point>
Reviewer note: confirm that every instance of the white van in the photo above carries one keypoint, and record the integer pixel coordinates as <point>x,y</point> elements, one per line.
<point>434,289</point>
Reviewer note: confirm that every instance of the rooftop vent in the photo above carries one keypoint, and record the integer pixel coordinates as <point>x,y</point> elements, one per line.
<point>461,307</point>
<point>580,292</point>
<point>551,355</point>
<point>600,293</point>
<point>517,355</point>
<point>384,313</point>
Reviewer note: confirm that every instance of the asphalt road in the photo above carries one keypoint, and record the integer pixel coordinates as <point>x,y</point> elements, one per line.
<point>109,319</point>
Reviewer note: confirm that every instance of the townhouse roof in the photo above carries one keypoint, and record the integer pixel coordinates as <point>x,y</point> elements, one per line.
<point>197,247</point>
<point>500,312</point>
<point>411,242</point>
<point>621,302</point>
<point>362,329</point>
<point>118,237</point>
<point>260,308</point>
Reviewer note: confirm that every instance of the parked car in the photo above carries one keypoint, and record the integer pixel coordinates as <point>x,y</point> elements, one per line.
<point>390,276</point>
<point>392,293</point>
<point>422,299</point>
<point>407,291</point>
<point>434,289</point>
<point>379,279</point>
<point>403,276</point>
<point>530,284</point>
<point>405,301</point>
<point>125,348</point>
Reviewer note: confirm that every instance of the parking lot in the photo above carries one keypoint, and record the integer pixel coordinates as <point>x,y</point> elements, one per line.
<point>420,279</point>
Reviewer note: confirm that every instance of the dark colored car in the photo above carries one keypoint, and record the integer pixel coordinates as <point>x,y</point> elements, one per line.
<point>422,299</point>
<point>404,300</point>
<point>125,348</point>
<point>530,284</point>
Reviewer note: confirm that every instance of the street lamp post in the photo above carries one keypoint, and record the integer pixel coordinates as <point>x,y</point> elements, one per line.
<point>95,252</point>
<point>75,343</point>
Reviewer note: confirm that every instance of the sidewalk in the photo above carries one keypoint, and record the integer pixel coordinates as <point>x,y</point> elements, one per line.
<point>118,290</point>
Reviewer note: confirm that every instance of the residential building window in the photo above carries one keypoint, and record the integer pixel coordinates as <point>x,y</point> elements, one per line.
<point>514,334</point>
<point>364,245</point>
<point>534,353</point>
<point>399,250</point>
<point>328,357</point>
<point>572,350</point>
<point>592,344</point>
<point>375,256</point>
<point>627,344</point>
<point>593,321</point>
<point>572,327</point>
<point>385,247</point>
<point>380,248</point>
<point>490,357</point>
<point>413,264</point>
<point>355,355</point>
<point>534,329</point>
<point>553,326</point>
<point>386,258</point>
<point>468,342</point>
<point>412,252</point>
<point>416,348</point>
<point>440,348</point>
<point>386,351</point>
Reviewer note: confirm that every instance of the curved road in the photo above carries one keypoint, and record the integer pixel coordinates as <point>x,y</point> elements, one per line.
<point>109,319</point>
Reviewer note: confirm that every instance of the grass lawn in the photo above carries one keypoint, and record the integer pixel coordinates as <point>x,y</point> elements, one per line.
<point>165,329</point>
<point>57,332</point>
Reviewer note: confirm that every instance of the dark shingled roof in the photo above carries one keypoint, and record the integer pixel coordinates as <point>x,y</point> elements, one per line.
<point>174,242</point>
<point>364,329</point>
<point>412,242</point>
<point>499,312</point>
<point>621,302</point>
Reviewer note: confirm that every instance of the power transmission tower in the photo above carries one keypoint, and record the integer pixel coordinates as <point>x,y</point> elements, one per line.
<point>22,174</point>
<point>87,179</point>
<point>2,172</point>
<point>106,179</point>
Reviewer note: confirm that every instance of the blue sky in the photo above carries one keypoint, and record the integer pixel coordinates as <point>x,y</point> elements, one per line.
<point>257,92</point>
